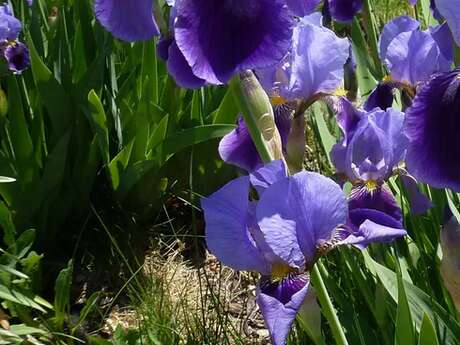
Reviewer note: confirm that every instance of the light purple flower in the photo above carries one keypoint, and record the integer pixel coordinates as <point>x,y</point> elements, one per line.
<point>295,220</point>
<point>314,64</point>
<point>127,20</point>
<point>372,146</point>
<point>432,124</point>
<point>413,55</point>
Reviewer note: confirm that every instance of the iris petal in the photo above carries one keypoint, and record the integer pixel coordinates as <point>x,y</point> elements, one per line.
<point>220,38</point>
<point>432,125</point>
<point>298,213</point>
<point>127,20</point>
<point>280,302</point>
<point>226,213</point>
<point>450,9</point>
<point>344,10</point>
<point>238,148</point>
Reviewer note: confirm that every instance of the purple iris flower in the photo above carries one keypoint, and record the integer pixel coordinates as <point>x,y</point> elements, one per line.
<point>372,146</point>
<point>127,20</point>
<point>450,9</point>
<point>296,220</point>
<point>15,53</point>
<point>314,64</point>
<point>413,55</point>
<point>221,38</point>
<point>301,8</point>
<point>432,124</point>
<point>344,10</point>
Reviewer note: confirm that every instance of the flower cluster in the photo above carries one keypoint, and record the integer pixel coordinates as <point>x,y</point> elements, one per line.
<point>278,219</point>
<point>13,52</point>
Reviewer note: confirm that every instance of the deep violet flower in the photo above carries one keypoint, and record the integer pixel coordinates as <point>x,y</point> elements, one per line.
<point>301,8</point>
<point>313,66</point>
<point>296,220</point>
<point>432,124</point>
<point>221,38</point>
<point>14,52</point>
<point>413,55</point>
<point>344,10</point>
<point>127,20</point>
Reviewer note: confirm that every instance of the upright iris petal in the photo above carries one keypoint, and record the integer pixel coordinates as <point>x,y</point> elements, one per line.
<point>344,10</point>
<point>314,64</point>
<point>450,9</point>
<point>432,125</point>
<point>413,55</point>
<point>10,26</point>
<point>302,8</point>
<point>221,38</point>
<point>127,20</point>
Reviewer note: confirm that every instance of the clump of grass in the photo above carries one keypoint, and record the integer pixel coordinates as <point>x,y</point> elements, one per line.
<point>182,304</point>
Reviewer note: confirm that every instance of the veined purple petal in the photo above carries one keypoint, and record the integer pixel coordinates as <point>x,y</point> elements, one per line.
<point>283,121</point>
<point>279,304</point>
<point>220,38</point>
<point>301,8</point>
<point>17,57</point>
<point>419,202</point>
<point>299,213</point>
<point>394,28</point>
<point>226,213</point>
<point>412,57</point>
<point>318,57</point>
<point>10,27</point>
<point>267,175</point>
<point>432,125</point>
<point>344,10</point>
<point>163,47</point>
<point>180,69</point>
<point>238,148</point>
<point>127,20</point>
<point>450,9</point>
<point>380,198</point>
<point>374,230</point>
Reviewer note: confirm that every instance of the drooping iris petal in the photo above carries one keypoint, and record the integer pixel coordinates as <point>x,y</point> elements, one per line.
<point>180,69</point>
<point>279,303</point>
<point>450,9</point>
<point>317,61</point>
<point>238,148</point>
<point>17,57</point>
<point>299,213</point>
<point>267,175</point>
<point>10,26</point>
<point>379,198</point>
<point>344,10</point>
<point>419,202</point>
<point>301,8</point>
<point>220,38</point>
<point>127,20</point>
<point>226,214</point>
<point>371,231</point>
<point>381,97</point>
<point>394,28</point>
<point>432,124</point>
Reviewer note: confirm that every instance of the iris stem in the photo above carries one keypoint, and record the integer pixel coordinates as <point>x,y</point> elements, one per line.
<point>251,112</point>
<point>327,306</point>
